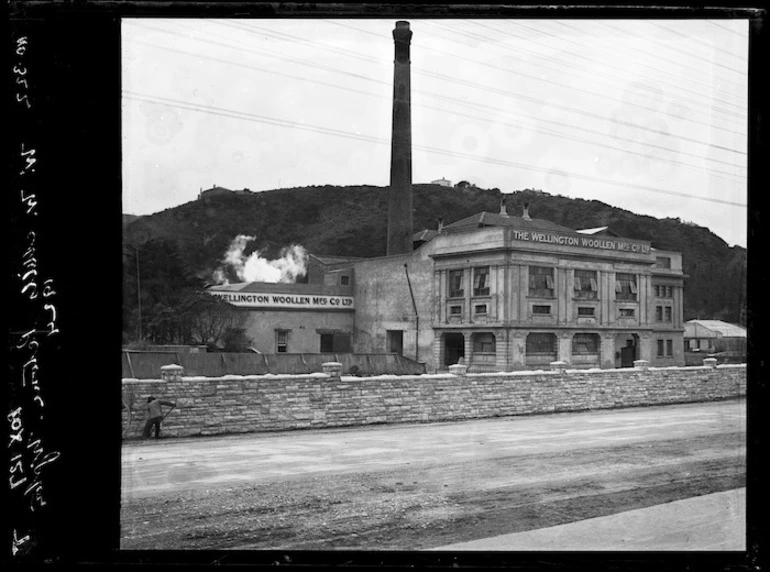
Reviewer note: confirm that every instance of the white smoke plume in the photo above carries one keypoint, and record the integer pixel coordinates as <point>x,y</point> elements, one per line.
<point>255,268</point>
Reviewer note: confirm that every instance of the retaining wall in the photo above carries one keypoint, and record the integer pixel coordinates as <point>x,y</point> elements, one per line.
<point>239,404</point>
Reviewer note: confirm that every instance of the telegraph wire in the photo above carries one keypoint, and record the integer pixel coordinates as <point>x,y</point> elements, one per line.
<point>466,104</point>
<point>291,38</point>
<point>561,64</point>
<point>578,111</point>
<point>713,23</point>
<point>698,40</point>
<point>208,109</point>
<point>622,69</point>
<point>652,54</point>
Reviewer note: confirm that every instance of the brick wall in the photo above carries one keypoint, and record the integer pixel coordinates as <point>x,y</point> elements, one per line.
<point>239,404</point>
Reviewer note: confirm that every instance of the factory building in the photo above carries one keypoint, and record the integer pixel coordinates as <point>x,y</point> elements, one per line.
<point>500,291</point>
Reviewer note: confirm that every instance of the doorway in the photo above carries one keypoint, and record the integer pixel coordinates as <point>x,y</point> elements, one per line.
<point>628,353</point>
<point>396,342</point>
<point>454,348</point>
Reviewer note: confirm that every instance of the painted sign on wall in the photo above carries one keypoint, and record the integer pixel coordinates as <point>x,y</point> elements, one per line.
<point>285,301</point>
<point>600,242</point>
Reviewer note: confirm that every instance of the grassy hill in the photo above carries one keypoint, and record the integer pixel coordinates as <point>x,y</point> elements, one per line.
<point>353,221</point>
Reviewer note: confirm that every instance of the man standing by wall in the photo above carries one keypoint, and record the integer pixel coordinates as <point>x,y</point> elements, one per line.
<point>153,413</point>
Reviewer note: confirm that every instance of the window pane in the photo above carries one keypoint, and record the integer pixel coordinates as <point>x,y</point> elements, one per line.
<point>455,283</point>
<point>541,344</point>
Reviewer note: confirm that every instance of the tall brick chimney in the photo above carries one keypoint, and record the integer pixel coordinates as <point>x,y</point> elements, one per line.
<point>400,201</point>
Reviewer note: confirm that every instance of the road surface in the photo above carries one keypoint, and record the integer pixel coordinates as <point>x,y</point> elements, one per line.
<point>425,486</point>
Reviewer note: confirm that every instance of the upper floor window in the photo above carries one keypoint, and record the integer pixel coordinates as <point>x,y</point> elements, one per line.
<point>586,285</point>
<point>663,291</point>
<point>625,286</point>
<point>345,280</point>
<point>456,284</point>
<point>541,281</point>
<point>663,261</point>
<point>481,281</point>
<point>542,310</point>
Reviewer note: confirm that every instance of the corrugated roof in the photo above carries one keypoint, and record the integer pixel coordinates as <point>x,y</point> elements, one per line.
<point>726,329</point>
<point>329,259</point>
<point>424,235</point>
<point>485,218</point>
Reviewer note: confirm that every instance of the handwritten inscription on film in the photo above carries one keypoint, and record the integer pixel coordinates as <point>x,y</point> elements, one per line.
<point>34,325</point>
<point>600,243</point>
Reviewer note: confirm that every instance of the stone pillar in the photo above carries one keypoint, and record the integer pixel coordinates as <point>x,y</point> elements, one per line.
<point>565,347</point>
<point>518,349</point>
<point>559,366</point>
<point>501,350</point>
<point>333,369</point>
<point>458,369</point>
<point>171,372</point>
<point>710,362</point>
<point>608,351</point>
<point>641,364</point>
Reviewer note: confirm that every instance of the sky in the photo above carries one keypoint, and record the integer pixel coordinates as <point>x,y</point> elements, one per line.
<point>645,115</point>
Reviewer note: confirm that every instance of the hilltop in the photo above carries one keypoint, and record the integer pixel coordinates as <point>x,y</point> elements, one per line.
<point>352,221</point>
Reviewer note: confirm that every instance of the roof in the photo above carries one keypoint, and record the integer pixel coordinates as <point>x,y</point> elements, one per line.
<point>324,259</point>
<point>599,230</point>
<point>485,218</point>
<point>725,329</point>
<point>424,235</point>
<point>282,288</point>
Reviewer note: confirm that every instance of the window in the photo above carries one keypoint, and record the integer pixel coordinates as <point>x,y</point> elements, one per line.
<point>668,315</point>
<point>455,310</point>
<point>345,280</point>
<point>660,348</point>
<point>585,311</point>
<point>626,313</point>
<point>281,341</point>
<point>456,284</point>
<point>541,344</point>
<point>669,291</point>
<point>481,281</point>
<point>657,288</point>
<point>663,262</point>
<point>541,310</point>
<point>669,348</point>
<point>327,343</point>
<point>659,313</point>
<point>541,281</point>
<point>625,287</point>
<point>484,343</point>
<point>396,341</point>
<point>480,309</point>
<point>586,285</point>
<point>585,344</point>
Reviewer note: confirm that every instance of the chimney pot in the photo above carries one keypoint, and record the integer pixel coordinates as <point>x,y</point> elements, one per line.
<point>503,209</point>
<point>525,216</point>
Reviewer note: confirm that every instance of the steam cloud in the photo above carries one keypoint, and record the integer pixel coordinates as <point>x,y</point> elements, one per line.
<point>254,268</point>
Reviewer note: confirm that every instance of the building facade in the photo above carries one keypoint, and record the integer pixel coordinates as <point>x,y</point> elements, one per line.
<point>510,293</point>
<point>500,292</point>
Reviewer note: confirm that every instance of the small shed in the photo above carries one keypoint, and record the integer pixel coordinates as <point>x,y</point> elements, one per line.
<point>715,337</point>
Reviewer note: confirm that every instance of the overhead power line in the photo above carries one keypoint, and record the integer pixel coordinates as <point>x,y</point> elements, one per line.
<point>355,136</point>
<point>570,109</point>
<point>482,107</point>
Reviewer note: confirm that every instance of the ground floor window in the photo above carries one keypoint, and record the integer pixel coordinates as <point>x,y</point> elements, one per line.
<point>454,347</point>
<point>665,348</point>
<point>484,343</point>
<point>585,344</point>
<point>541,344</point>
<point>281,341</point>
<point>396,341</point>
<point>334,342</point>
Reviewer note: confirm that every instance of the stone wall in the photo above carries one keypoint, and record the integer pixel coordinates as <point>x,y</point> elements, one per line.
<point>239,404</point>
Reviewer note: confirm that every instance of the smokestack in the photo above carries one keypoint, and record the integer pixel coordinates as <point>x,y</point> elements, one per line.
<point>525,216</point>
<point>400,202</point>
